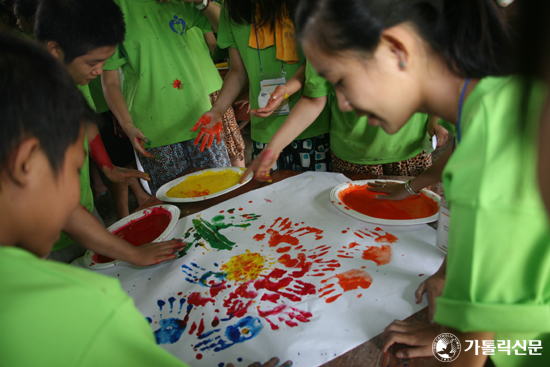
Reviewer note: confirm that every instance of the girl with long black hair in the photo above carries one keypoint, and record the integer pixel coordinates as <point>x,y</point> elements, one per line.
<point>391,58</point>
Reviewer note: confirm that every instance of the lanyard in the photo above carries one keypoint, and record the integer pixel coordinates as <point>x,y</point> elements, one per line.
<point>258,46</point>
<point>460,103</point>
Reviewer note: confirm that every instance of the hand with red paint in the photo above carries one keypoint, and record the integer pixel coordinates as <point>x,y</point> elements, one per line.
<point>433,287</point>
<point>277,97</point>
<point>210,125</point>
<point>261,166</point>
<point>154,253</point>
<point>395,191</point>
<point>273,362</point>
<point>124,175</point>
<point>418,335</point>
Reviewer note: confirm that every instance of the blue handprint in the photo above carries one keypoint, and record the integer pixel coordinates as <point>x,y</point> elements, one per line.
<point>243,330</point>
<point>177,25</point>
<point>170,330</point>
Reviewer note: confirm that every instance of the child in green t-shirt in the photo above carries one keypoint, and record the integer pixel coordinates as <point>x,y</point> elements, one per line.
<point>82,35</point>
<point>388,60</point>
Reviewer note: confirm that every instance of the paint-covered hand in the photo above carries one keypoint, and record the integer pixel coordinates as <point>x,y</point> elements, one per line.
<point>433,287</point>
<point>273,362</point>
<point>210,125</point>
<point>261,166</point>
<point>394,191</point>
<point>418,335</point>
<point>124,175</point>
<point>137,138</point>
<point>154,253</point>
<point>277,97</point>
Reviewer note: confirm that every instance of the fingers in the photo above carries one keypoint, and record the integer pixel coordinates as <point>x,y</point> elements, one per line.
<point>414,352</point>
<point>219,135</point>
<point>248,171</point>
<point>272,362</point>
<point>210,141</point>
<point>129,172</point>
<point>431,306</point>
<point>198,138</point>
<point>197,125</point>
<point>204,141</point>
<point>419,292</point>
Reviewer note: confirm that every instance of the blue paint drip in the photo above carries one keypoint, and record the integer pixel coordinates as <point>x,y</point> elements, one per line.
<point>149,319</point>
<point>160,303</point>
<point>243,330</point>
<point>239,359</point>
<point>216,264</point>
<point>182,301</point>
<point>221,364</point>
<point>206,335</point>
<point>171,300</point>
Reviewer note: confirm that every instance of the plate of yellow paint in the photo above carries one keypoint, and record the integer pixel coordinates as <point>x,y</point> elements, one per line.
<point>202,185</point>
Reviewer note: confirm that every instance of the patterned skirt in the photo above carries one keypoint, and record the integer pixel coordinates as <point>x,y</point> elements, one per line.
<point>411,167</point>
<point>231,135</point>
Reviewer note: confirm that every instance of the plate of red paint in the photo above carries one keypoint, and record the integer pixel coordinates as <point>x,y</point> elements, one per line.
<point>355,200</point>
<point>148,225</point>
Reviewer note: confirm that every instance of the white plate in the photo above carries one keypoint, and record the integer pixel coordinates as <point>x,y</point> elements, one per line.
<point>161,193</point>
<point>174,211</point>
<point>335,200</point>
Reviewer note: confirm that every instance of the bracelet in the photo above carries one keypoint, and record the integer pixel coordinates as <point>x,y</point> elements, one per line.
<point>409,189</point>
<point>203,5</point>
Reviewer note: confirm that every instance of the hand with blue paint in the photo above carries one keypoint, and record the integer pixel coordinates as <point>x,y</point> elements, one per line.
<point>273,362</point>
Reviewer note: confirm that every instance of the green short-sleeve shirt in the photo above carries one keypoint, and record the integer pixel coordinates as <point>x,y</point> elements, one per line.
<point>86,195</point>
<point>498,262</point>
<point>163,83</point>
<point>54,314</point>
<point>237,36</point>
<point>96,92</point>
<point>354,140</point>
<point>210,74</point>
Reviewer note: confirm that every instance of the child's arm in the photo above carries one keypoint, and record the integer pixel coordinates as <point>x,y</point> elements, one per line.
<point>303,114</point>
<point>101,158</point>
<point>292,86</point>
<point>211,121</point>
<point>110,80</point>
<point>430,176</point>
<point>86,230</point>
<point>433,287</point>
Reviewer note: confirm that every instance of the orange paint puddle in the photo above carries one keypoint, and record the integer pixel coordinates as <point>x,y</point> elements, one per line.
<point>358,198</point>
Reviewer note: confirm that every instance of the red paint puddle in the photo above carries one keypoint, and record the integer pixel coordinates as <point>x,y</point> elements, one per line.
<point>177,84</point>
<point>216,321</point>
<point>180,293</point>
<point>380,255</point>
<point>360,199</point>
<point>199,356</point>
<point>140,231</point>
<point>217,288</point>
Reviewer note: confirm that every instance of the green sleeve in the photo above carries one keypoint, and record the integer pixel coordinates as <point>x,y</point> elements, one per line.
<point>117,60</point>
<point>315,86</point>
<point>225,33</point>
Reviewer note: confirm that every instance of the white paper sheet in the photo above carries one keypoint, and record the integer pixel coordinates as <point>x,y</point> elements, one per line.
<point>270,308</point>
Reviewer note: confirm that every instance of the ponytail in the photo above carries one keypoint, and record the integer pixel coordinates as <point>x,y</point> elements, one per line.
<point>472,35</point>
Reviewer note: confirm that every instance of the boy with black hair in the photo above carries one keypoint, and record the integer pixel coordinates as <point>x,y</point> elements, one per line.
<point>82,35</point>
<point>8,22</point>
<point>41,139</point>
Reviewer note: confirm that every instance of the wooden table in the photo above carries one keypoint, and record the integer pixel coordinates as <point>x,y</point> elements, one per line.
<point>368,353</point>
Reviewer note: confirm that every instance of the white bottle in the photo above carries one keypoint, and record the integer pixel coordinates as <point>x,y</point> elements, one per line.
<point>443,225</point>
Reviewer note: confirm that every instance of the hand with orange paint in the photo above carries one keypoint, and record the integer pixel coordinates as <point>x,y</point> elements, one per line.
<point>273,362</point>
<point>154,253</point>
<point>277,97</point>
<point>261,166</point>
<point>210,125</point>
<point>395,191</point>
<point>418,335</point>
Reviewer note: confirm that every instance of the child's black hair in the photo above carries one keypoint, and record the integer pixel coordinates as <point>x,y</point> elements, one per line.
<point>38,99</point>
<point>9,4</point>
<point>6,12</point>
<point>243,11</point>
<point>27,8</point>
<point>472,35</point>
<point>79,26</point>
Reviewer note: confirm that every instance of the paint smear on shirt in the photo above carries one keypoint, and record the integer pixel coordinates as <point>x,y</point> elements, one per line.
<point>204,184</point>
<point>141,231</point>
<point>358,198</point>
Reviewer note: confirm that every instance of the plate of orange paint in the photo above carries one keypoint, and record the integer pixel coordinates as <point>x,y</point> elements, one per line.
<point>148,225</point>
<point>355,200</point>
<point>202,185</point>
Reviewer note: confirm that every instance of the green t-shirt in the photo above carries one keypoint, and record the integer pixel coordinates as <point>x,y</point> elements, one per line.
<point>353,140</point>
<point>156,56</point>
<point>498,261</point>
<point>210,74</point>
<point>237,36</point>
<point>86,195</point>
<point>54,314</point>
<point>96,92</point>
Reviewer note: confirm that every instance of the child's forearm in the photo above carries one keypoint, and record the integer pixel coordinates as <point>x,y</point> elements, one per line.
<point>212,13</point>
<point>433,174</point>
<point>233,83</point>
<point>297,81</point>
<point>303,114</point>
<point>110,81</point>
